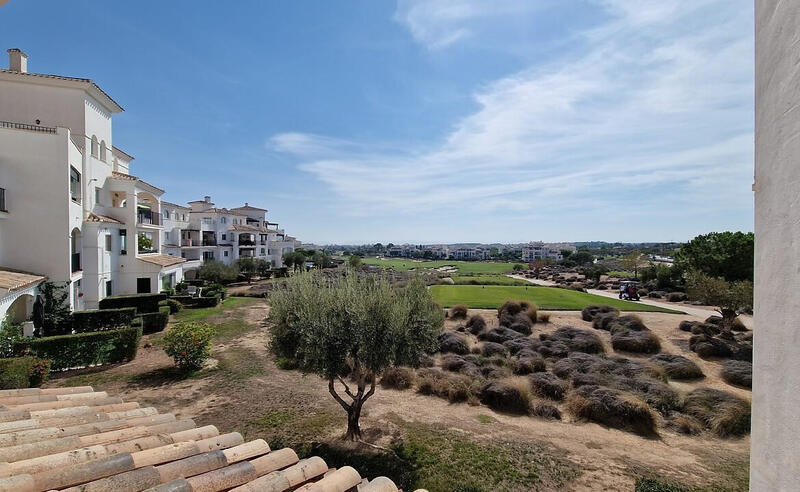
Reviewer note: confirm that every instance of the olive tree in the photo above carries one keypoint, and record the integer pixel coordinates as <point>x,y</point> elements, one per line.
<point>728,297</point>
<point>352,328</point>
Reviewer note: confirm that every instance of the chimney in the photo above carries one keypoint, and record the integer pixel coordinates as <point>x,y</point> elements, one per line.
<point>207,199</point>
<point>17,60</point>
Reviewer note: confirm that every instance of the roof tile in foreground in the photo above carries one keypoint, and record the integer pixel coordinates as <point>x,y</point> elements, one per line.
<point>79,440</point>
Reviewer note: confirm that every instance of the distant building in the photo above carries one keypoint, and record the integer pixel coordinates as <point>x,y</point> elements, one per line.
<point>469,253</point>
<point>539,251</point>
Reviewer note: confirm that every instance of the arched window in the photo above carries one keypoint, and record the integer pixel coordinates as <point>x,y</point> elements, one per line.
<point>95,147</point>
<point>223,220</point>
<point>103,150</point>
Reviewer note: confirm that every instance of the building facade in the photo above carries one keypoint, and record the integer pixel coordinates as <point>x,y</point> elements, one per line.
<point>539,251</point>
<point>72,212</point>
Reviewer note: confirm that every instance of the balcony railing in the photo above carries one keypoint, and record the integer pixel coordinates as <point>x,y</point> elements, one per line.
<point>209,242</point>
<point>188,242</point>
<point>25,126</point>
<point>148,218</point>
<point>76,262</point>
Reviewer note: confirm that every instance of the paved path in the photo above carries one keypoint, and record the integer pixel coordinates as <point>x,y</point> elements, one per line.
<point>699,311</point>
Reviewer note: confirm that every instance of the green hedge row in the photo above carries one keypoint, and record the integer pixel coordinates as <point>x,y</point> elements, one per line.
<point>103,319</point>
<point>144,303</point>
<point>199,302</point>
<point>83,349</point>
<point>23,372</point>
<point>153,322</point>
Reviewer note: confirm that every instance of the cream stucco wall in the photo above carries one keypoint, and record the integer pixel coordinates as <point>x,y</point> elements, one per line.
<point>775,439</point>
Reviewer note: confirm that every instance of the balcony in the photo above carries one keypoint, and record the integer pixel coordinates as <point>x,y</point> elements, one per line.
<point>24,126</point>
<point>247,243</point>
<point>209,242</point>
<point>148,218</point>
<point>76,262</point>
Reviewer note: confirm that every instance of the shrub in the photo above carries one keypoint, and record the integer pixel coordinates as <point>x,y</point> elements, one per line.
<point>102,319</point>
<point>453,343</point>
<point>492,348</point>
<point>531,311</point>
<point>627,322</point>
<point>738,372</point>
<point>153,322</point>
<point>527,362</point>
<point>500,334</point>
<point>676,297</point>
<point>507,396</point>
<point>9,333</point>
<point>521,343</point>
<point>83,349</point>
<point>547,385</point>
<point>23,372</point>
<point>476,324</point>
<point>603,321</point>
<point>677,366</point>
<point>641,342</point>
<point>399,378</point>
<point>738,325</point>
<point>458,311</point>
<point>453,387</point>
<point>544,318</point>
<point>189,344</point>
<point>206,301</point>
<point>576,340</point>
<point>589,312</point>
<point>685,424</point>
<point>546,411</point>
<point>580,363</point>
<point>613,408</point>
<point>174,306</point>
<point>687,325</point>
<point>722,412</point>
<point>511,308</point>
<point>144,303</point>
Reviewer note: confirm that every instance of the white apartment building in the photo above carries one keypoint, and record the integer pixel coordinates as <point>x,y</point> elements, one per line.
<point>202,232</point>
<point>467,253</point>
<point>72,212</point>
<point>537,250</point>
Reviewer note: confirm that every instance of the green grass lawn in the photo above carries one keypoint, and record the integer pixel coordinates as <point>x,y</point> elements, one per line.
<point>487,280</point>
<point>464,267</point>
<point>548,298</point>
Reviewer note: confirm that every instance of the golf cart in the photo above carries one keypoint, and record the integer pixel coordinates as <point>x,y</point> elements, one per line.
<point>629,290</point>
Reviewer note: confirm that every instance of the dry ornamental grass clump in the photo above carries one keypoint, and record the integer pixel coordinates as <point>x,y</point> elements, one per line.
<point>575,339</point>
<point>458,311</point>
<point>612,408</point>
<point>476,324</point>
<point>509,395</point>
<point>589,312</point>
<point>603,321</point>
<point>492,348</point>
<point>548,385</point>
<point>400,378</point>
<point>641,342</point>
<point>723,413</point>
<point>677,366</point>
<point>738,372</point>
<point>453,343</point>
<point>527,362</point>
<point>500,334</point>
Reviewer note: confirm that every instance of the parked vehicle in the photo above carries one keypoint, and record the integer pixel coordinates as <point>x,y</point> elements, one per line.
<point>629,291</point>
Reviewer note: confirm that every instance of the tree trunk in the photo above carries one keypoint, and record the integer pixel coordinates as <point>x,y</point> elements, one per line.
<point>353,408</point>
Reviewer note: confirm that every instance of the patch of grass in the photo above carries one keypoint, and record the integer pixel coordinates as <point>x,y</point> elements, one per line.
<point>240,364</point>
<point>487,280</point>
<point>485,419</point>
<point>547,298</point>
<point>652,485</point>
<point>202,314</point>
<point>273,419</point>
<point>463,267</point>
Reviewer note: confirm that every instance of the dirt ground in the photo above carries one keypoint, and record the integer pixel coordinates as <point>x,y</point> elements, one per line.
<point>244,390</point>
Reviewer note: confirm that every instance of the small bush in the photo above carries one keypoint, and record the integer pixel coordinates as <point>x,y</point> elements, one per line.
<point>521,343</point>
<point>102,319</point>
<point>23,372</point>
<point>207,301</point>
<point>458,311</point>
<point>723,413</point>
<point>153,322</point>
<point>492,348</point>
<point>687,325</point>
<point>453,343</point>
<point>144,303</point>
<point>738,325</point>
<point>476,324</point>
<point>546,412</point>
<point>527,362</point>
<point>509,395</point>
<point>603,321</point>
<point>677,366</point>
<point>174,306</point>
<point>83,349</point>
<point>500,334</point>
<point>628,322</point>
<point>511,308</point>
<point>677,297</point>
<point>189,344</point>
<point>544,318</point>
<point>531,311</point>
<point>589,312</point>
<point>547,385</point>
<point>641,342</point>
<point>399,378</point>
<point>685,424</point>
<point>613,408</point>
<point>738,372</point>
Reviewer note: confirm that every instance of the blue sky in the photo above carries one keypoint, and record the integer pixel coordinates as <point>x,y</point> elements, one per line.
<point>427,121</point>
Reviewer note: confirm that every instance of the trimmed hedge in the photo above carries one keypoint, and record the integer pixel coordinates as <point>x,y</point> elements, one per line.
<point>23,372</point>
<point>153,322</point>
<point>206,302</point>
<point>103,319</point>
<point>144,303</point>
<point>83,349</point>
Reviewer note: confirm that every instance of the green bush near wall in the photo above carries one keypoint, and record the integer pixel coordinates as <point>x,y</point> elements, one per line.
<point>103,319</point>
<point>144,303</point>
<point>83,349</point>
<point>153,322</point>
<point>206,302</point>
<point>23,372</point>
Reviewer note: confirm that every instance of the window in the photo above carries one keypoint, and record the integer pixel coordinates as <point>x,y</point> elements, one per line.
<point>207,220</point>
<point>224,236</point>
<point>208,255</point>
<point>223,220</point>
<point>123,242</point>
<point>96,195</point>
<point>143,285</point>
<point>95,147</point>
<point>103,151</point>
<point>108,288</point>
<point>108,242</point>
<point>262,251</point>
<point>75,185</point>
<point>166,214</point>
<point>183,217</point>
<point>2,199</point>
<point>225,253</point>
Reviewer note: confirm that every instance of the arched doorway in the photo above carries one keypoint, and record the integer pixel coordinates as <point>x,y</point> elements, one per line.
<point>76,245</point>
<point>21,309</point>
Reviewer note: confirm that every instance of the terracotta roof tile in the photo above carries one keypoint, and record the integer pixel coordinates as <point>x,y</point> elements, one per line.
<point>13,280</point>
<point>93,217</point>
<point>57,438</point>
<point>162,260</point>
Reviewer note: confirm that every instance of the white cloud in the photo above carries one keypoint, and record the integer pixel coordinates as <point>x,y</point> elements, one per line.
<point>655,112</point>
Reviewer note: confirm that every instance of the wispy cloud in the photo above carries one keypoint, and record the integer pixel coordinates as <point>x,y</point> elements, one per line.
<point>653,112</point>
